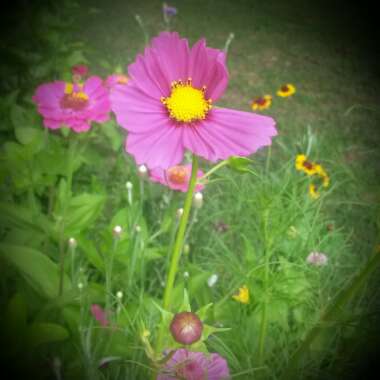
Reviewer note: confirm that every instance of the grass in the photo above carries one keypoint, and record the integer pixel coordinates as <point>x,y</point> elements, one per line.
<point>270,224</point>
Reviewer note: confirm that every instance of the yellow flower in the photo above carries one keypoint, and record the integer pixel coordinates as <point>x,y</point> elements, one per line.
<point>243,295</point>
<point>323,175</point>
<point>286,90</point>
<point>262,102</point>
<point>313,191</point>
<point>302,164</point>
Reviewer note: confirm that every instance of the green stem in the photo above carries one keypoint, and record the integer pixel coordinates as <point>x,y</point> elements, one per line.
<point>61,259</point>
<point>269,156</point>
<point>109,274</point>
<point>264,316</point>
<point>173,268</point>
<point>331,315</point>
<point>214,169</point>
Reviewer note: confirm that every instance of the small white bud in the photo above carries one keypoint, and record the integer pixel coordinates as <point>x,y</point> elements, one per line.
<point>179,213</point>
<point>198,200</point>
<point>143,171</point>
<point>80,286</point>
<point>129,185</point>
<point>117,231</point>
<point>72,243</point>
<point>212,280</point>
<point>119,295</point>
<point>163,284</point>
<point>186,249</point>
<point>137,228</point>
<point>186,274</point>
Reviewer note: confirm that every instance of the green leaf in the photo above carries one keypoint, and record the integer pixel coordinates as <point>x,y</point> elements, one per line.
<point>113,132</point>
<point>28,135</point>
<point>92,254</point>
<point>40,333</point>
<point>83,210</point>
<point>38,270</point>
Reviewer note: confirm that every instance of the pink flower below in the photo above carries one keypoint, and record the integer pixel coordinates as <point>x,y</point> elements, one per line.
<point>317,259</point>
<point>176,177</point>
<point>81,70</point>
<point>187,365</point>
<point>99,314</point>
<point>73,105</point>
<point>167,107</point>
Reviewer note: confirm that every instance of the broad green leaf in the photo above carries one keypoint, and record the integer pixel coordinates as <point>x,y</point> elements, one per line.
<point>40,333</point>
<point>14,323</point>
<point>92,254</point>
<point>28,135</point>
<point>38,270</point>
<point>83,210</point>
<point>111,130</point>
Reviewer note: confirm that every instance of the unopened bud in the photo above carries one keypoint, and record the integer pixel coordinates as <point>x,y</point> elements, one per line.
<point>129,185</point>
<point>186,327</point>
<point>119,295</point>
<point>80,286</point>
<point>179,213</point>
<point>143,171</point>
<point>198,200</point>
<point>72,243</point>
<point>212,280</point>
<point>117,231</point>
<point>137,228</point>
<point>186,274</point>
<point>186,249</point>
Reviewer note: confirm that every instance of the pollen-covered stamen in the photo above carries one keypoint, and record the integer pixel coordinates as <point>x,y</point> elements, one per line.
<point>187,103</point>
<point>74,99</point>
<point>177,174</point>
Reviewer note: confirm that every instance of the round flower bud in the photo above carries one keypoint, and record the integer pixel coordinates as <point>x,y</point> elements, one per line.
<point>186,249</point>
<point>186,327</point>
<point>129,185</point>
<point>198,200</point>
<point>186,274</point>
<point>143,171</point>
<point>137,228</point>
<point>119,295</point>
<point>212,280</point>
<point>117,231</point>
<point>80,286</point>
<point>179,213</point>
<point>72,243</point>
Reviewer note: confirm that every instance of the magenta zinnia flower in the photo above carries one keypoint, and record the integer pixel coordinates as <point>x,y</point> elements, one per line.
<point>167,106</point>
<point>189,365</point>
<point>177,177</point>
<point>74,105</point>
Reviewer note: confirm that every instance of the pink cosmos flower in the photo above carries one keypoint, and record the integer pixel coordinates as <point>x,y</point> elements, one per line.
<point>99,314</point>
<point>177,177</point>
<point>317,259</point>
<point>189,365</point>
<point>74,105</point>
<point>167,107</point>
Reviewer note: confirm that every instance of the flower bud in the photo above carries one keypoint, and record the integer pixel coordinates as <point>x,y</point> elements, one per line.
<point>72,243</point>
<point>198,200</point>
<point>186,327</point>
<point>143,171</point>
<point>117,231</point>
<point>186,249</point>
<point>137,228</point>
<point>212,280</point>
<point>186,274</point>
<point>179,213</point>
<point>80,286</point>
<point>119,295</point>
<point>129,185</point>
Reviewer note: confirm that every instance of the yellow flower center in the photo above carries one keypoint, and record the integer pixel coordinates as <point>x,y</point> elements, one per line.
<point>186,103</point>
<point>75,100</point>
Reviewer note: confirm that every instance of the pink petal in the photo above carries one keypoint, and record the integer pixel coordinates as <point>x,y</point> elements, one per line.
<point>227,133</point>
<point>49,94</point>
<point>135,111</point>
<point>207,68</point>
<point>162,147</point>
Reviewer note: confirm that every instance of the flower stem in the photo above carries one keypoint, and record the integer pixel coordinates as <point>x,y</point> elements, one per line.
<point>180,235</point>
<point>264,316</point>
<point>331,315</point>
<point>173,266</point>
<point>214,169</point>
